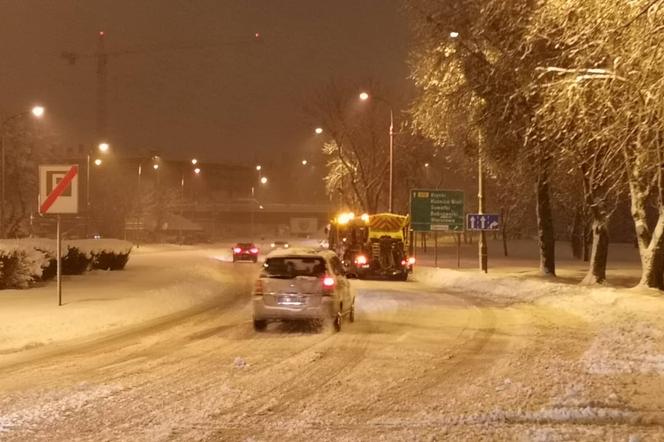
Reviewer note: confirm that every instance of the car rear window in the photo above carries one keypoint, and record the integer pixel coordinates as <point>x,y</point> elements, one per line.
<point>291,267</point>
<point>245,245</point>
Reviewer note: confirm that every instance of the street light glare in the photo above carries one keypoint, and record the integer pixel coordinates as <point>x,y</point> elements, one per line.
<point>38,111</point>
<point>305,162</point>
<point>364,96</point>
<point>194,161</point>
<point>319,130</point>
<point>98,162</point>
<point>454,34</point>
<point>155,166</point>
<point>264,180</point>
<point>259,167</point>
<point>426,164</point>
<point>103,147</point>
<point>197,170</point>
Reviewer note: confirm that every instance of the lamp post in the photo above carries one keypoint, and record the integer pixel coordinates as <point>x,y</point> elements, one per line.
<point>483,255</point>
<point>37,112</point>
<point>196,171</point>
<point>263,180</point>
<point>102,147</point>
<point>139,207</point>
<point>364,96</point>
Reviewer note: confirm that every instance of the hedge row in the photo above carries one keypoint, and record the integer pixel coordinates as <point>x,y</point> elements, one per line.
<point>24,262</point>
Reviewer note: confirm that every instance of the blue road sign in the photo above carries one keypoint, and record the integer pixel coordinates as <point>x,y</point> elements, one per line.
<point>484,221</point>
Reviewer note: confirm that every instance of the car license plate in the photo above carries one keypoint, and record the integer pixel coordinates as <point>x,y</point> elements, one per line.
<point>290,300</point>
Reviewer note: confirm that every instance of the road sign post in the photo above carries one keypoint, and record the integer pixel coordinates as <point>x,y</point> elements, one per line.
<point>436,210</point>
<point>58,194</point>
<point>482,221</point>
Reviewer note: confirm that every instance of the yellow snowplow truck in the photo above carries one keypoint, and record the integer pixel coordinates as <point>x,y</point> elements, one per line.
<point>372,246</point>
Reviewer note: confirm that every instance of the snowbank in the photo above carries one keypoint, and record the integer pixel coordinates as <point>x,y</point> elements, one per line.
<point>159,282</point>
<point>87,246</point>
<point>495,286</point>
<point>629,332</point>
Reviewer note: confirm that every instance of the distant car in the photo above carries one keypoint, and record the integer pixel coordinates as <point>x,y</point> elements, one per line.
<point>279,245</point>
<point>302,284</point>
<point>245,251</point>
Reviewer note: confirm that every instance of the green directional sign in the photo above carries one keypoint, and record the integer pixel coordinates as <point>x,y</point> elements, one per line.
<point>436,210</point>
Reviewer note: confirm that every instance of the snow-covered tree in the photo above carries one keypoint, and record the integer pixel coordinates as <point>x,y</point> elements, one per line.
<point>26,147</point>
<point>357,150</point>
<point>472,65</point>
<point>603,103</point>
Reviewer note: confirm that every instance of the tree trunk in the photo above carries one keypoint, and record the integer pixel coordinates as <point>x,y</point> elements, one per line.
<point>652,257</point>
<point>577,239</point>
<point>547,242</point>
<point>503,227</point>
<point>599,254</point>
<point>649,242</point>
<point>587,242</point>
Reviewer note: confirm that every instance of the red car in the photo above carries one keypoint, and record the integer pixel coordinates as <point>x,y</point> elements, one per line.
<point>245,251</point>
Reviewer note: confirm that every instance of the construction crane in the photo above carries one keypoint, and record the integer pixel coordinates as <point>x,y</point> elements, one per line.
<point>102,55</point>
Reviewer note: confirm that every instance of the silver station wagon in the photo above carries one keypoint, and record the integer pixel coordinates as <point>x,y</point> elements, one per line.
<point>302,284</point>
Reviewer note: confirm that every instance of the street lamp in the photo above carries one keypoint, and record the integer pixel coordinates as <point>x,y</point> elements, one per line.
<point>37,112</point>
<point>263,180</point>
<point>482,245</point>
<point>102,147</point>
<point>139,202</point>
<point>318,130</point>
<point>305,162</point>
<point>197,171</point>
<point>364,96</point>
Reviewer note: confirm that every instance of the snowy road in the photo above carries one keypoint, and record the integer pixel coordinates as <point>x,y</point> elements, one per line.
<point>417,364</point>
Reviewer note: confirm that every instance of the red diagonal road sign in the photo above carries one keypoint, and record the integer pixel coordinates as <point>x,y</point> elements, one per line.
<point>59,189</point>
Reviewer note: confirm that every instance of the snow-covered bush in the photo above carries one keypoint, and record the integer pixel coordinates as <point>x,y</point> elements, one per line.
<point>44,246</point>
<point>20,266</point>
<point>104,254</point>
<point>74,261</point>
<point>25,261</point>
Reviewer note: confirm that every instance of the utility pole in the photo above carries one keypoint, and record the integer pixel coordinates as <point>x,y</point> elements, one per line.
<point>483,261</point>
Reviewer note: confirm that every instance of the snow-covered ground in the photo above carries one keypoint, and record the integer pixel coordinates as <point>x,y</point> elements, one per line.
<point>451,355</point>
<point>158,280</point>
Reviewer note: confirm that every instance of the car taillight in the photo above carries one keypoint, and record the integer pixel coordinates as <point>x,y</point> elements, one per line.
<point>411,260</point>
<point>258,287</point>
<point>361,260</point>
<point>254,250</point>
<point>328,282</point>
<point>237,250</point>
<point>404,262</point>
